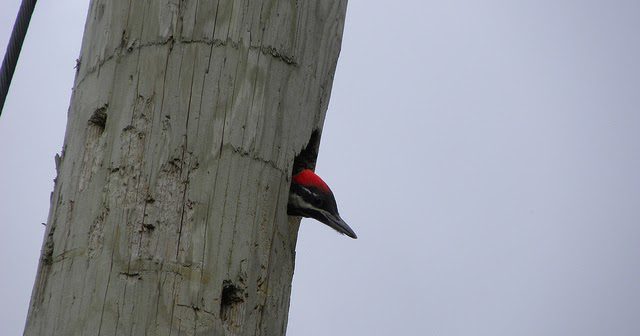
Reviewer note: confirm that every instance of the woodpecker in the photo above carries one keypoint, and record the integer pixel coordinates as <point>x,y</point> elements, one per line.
<point>310,196</point>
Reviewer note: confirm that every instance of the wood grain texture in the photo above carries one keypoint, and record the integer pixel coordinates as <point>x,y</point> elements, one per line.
<point>168,215</point>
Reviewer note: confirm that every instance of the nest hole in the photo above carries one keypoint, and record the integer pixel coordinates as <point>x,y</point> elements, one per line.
<point>308,156</point>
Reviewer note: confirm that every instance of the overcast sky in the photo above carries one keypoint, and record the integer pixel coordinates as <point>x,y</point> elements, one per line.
<point>486,153</point>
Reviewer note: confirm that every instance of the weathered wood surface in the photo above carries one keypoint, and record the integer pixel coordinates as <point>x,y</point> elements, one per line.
<point>168,216</point>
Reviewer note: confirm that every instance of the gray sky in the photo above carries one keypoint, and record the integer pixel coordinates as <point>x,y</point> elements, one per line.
<point>487,154</point>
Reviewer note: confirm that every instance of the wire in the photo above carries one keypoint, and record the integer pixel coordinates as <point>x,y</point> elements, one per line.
<point>13,49</point>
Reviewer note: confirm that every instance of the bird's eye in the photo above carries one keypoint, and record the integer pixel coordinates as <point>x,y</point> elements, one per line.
<point>318,198</point>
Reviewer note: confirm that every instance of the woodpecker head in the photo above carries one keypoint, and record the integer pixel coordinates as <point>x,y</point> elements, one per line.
<point>310,197</point>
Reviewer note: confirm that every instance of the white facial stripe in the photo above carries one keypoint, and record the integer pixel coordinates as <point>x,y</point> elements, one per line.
<point>297,199</point>
<point>300,202</point>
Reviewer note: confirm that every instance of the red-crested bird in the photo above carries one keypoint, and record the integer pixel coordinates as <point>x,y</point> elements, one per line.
<point>310,196</point>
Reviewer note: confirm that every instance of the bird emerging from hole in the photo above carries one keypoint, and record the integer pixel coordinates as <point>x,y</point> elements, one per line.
<point>310,196</point>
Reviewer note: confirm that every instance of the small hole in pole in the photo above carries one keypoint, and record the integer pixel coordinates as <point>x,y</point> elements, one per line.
<point>99,117</point>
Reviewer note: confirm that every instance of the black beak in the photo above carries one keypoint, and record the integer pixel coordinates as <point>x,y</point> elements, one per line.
<point>339,225</point>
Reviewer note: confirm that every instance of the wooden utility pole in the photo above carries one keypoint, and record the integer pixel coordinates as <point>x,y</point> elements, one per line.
<point>168,215</point>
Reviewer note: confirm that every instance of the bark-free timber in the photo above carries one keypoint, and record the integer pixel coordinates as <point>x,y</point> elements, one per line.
<point>169,210</point>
